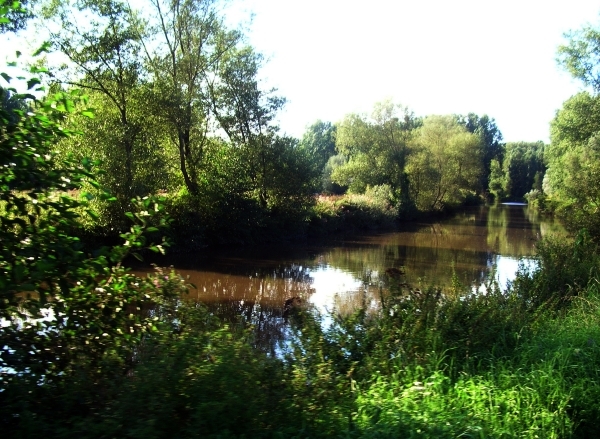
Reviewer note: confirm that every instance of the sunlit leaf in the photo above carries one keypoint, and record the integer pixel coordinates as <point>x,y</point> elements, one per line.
<point>45,47</point>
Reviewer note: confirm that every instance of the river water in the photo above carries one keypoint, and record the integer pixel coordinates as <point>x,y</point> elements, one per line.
<point>477,244</point>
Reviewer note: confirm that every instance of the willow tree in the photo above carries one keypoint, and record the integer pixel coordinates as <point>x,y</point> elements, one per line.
<point>377,148</point>
<point>445,165</point>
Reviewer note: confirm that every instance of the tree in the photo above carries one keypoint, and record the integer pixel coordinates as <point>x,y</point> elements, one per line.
<point>497,184</point>
<point>573,161</point>
<point>245,113</point>
<point>104,54</point>
<point>327,184</point>
<point>319,143</point>
<point>523,166</point>
<point>377,149</point>
<point>581,56</point>
<point>445,165</point>
<point>64,313</point>
<point>151,165</point>
<point>491,142</point>
<point>184,49</point>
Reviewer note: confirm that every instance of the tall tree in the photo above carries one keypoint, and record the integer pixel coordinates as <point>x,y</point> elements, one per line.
<point>446,163</point>
<point>491,142</point>
<point>246,112</point>
<point>573,155</point>
<point>184,48</point>
<point>377,149</point>
<point>319,142</point>
<point>574,161</point>
<point>103,50</point>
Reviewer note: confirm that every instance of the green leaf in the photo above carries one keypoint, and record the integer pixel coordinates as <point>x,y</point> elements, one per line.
<point>6,77</point>
<point>88,113</point>
<point>69,106</point>
<point>45,47</point>
<point>32,83</point>
<point>93,215</point>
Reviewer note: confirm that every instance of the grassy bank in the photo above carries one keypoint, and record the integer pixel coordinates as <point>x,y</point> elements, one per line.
<point>244,222</point>
<point>432,364</point>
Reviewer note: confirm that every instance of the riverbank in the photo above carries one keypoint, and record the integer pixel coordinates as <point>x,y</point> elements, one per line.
<point>328,217</point>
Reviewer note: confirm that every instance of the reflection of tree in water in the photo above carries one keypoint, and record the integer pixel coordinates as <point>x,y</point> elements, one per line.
<point>514,230</point>
<point>256,299</point>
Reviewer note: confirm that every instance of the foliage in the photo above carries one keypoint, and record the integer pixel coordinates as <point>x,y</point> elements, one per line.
<point>444,165</point>
<point>15,16</point>
<point>521,172</point>
<point>319,143</point>
<point>565,269</point>
<point>354,212</point>
<point>193,48</point>
<point>377,150</point>
<point>103,51</point>
<point>498,183</point>
<point>66,314</point>
<point>491,142</point>
<point>573,158</point>
<point>328,186</point>
<point>64,309</point>
<point>85,342</point>
<point>148,166</point>
<point>433,406</point>
<point>571,179</point>
<point>581,56</point>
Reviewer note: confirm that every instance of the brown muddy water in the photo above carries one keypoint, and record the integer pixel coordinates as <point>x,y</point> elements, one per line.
<point>478,243</point>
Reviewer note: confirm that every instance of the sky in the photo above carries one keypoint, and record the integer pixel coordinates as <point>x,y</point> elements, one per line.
<point>329,58</point>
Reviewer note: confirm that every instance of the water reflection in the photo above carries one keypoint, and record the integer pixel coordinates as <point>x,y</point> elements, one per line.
<point>253,284</point>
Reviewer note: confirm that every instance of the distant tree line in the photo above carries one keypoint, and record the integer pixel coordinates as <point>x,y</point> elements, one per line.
<point>428,163</point>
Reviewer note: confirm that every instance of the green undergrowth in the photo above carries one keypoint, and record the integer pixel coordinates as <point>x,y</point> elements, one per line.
<point>352,213</point>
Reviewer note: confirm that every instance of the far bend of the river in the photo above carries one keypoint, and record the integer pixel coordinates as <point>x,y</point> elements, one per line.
<point>253,284</point>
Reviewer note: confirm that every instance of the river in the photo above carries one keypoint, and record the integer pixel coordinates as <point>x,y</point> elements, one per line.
<point>477,244</point>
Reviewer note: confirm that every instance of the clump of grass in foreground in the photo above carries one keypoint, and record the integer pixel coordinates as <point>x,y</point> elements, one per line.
<point>568,347</point>
<point>499,404</point>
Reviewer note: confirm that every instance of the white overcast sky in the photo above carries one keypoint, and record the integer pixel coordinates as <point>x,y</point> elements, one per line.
<point>333,57</point>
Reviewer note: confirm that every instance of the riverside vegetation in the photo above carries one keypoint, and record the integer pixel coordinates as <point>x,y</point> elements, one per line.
<point>89,350</point>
